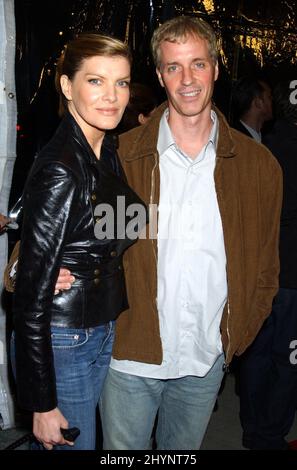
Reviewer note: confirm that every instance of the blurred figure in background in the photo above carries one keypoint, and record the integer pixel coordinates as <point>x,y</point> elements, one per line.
<point>268,375</point>
<point>252,106</point>
<point>141,105</point>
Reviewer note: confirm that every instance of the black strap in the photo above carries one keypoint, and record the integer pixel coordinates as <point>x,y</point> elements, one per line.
<point>70,434</point>
<point>22,440</point>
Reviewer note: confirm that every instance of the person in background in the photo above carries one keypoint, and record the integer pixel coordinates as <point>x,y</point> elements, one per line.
<point>63,342</point>
<point>252,105</point>
<point>142,104</point>
<point>201,286</point>
<point>268,373</point>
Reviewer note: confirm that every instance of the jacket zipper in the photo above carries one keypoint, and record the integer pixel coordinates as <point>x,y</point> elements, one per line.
<point>226,363</point>
<point>151,211</point>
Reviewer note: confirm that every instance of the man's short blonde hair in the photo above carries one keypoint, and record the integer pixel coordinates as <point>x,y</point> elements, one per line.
<point>178,30</point>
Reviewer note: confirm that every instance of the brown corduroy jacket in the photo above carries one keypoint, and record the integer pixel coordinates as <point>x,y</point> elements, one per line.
<point>248,183</point>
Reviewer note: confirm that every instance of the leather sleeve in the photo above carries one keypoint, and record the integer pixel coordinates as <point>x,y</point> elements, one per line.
<point>48,207</point>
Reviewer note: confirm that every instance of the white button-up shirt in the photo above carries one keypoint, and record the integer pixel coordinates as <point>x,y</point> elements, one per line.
<point>192,283</point>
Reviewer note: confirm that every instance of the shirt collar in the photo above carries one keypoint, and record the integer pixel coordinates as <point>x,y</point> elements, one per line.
<point>165,138</point>
<point>214,133</point>
<point>257,136</point>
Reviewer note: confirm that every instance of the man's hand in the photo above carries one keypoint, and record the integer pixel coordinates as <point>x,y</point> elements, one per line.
<point>64,281</point>
<point>46,428</point>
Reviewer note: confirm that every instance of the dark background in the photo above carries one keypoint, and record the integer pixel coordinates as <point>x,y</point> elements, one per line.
<point>255,35</point>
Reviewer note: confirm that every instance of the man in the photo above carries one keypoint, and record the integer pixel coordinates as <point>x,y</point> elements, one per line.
<point>252,106</point>
<point>268,379</point>
<point>200,291</point>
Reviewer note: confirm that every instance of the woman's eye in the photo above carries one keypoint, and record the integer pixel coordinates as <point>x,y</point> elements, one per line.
<point>124,83</point>
<point>94,81</point>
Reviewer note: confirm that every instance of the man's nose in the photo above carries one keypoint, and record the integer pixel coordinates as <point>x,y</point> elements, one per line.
<point>187,76</point>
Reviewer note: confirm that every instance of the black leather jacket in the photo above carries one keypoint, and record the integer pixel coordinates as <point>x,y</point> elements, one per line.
<point>64,186</point>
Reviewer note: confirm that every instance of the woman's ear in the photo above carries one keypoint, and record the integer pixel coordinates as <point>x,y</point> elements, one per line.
<point>66,87</point>
<point>216,74</point>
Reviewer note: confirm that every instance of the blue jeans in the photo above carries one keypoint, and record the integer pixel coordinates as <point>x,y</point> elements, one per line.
<point>129,405</point>
<point>81,358</point>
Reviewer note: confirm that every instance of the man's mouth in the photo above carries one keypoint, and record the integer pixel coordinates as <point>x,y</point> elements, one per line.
<point>190,93</point>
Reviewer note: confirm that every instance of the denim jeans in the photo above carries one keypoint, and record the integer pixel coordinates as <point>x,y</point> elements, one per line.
<point>129,404</point>
<point>81,358</point>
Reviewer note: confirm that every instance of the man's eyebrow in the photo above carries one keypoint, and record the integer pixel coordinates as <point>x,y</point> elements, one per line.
<point>175,62</point>
<point>200,58</point>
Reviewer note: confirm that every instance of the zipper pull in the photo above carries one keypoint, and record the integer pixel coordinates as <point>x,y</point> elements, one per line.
<point>226,368</point>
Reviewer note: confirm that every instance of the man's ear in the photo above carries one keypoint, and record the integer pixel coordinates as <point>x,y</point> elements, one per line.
<point>141,118</point>
<point>160,77</point>
<point>66,86</point>
<point>258,101</point>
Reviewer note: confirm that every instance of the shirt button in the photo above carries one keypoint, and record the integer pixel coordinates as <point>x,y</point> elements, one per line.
<point>96,281</point>
<point>93,197</point>
<point>113,254</point>
<point>97,272</point>
<point>97,219</point>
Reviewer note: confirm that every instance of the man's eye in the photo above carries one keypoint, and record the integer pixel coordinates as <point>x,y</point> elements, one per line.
<point>199,65</point>
<point>172,68</point>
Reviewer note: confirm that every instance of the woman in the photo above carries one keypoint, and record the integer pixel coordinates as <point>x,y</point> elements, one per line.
<point>63,343</point>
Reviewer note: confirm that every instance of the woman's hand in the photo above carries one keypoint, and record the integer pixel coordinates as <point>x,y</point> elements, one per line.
<point>46,428</point>
<point>64,281</point>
